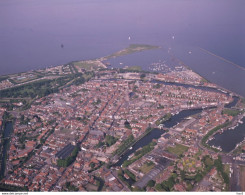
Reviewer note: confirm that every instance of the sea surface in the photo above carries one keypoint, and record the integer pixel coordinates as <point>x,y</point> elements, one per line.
<point>32,33</point>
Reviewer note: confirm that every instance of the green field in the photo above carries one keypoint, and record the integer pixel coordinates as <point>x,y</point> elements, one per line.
<point>227,169</point>
<point>146,167</point>
<point>88,65</point>
<point>231,112</point>
<point>178,149</point>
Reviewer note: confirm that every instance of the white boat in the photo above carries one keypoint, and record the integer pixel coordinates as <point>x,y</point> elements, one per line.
<point>241,122</point>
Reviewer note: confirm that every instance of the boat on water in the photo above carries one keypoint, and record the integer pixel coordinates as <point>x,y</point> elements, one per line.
<point>130,156</point>
<point>217,147</point>
<point>211,138</point>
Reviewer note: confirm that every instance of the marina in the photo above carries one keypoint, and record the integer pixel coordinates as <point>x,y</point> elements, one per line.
<point>227,140</point>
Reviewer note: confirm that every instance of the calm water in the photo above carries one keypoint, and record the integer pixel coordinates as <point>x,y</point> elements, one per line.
<point>233,103</point>
<point>31,32</point>
<point>179,117</point>
<point>214,69</point>
<point>229,138</point>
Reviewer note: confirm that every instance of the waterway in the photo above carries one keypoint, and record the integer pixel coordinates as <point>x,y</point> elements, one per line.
<point>156,133</point>
<point>229,139</point>
<point>233,103</point>
<point>6,137</point>
<point>181,116</point>
<point>211,89</point>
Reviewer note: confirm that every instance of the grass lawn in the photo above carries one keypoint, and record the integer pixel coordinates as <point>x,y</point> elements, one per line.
<point>231,112</point>
<point>146,167</point>
<point>178,149</point>
<point>227,169</point>
<point>87,65</point>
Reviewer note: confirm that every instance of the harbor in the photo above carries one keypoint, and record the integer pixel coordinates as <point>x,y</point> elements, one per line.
<point>227,140</point>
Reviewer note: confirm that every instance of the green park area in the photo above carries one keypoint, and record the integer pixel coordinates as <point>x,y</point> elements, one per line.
<point>166,117</point>
<point>178,149</point>
<point>124,145</point>
<point>146,167</point>
<point>89,64</point>
<point>231,112</point>
<point>140,153</point>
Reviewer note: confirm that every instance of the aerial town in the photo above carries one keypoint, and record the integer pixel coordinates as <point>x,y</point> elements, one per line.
<point>107,129</point>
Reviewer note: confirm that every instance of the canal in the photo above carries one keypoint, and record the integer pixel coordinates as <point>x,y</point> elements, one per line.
<point>156,133</point>
<point>6,139</point>
<point>211,89</point>
<point>233,103</point>
<point>229,139</point>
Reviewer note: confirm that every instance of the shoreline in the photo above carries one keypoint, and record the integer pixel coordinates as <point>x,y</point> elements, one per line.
<point>235,124</point>
<point>133,48</point>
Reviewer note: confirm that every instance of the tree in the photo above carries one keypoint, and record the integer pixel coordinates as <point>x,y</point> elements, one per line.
<point>198,177</point>
<point>151,183</point>
<point>92,165</point>
<point>22,119</point>
<point>142,76</point>
<point>110,140</point>
<point>182,175</point>
<point>159,187</point>
<point>127,125</point>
